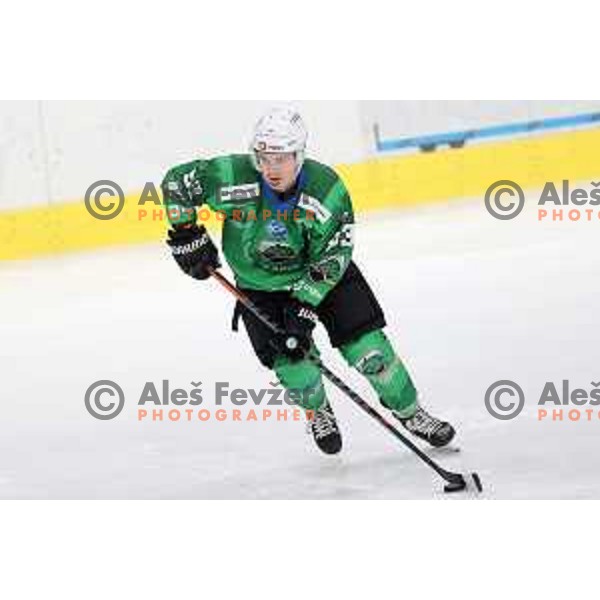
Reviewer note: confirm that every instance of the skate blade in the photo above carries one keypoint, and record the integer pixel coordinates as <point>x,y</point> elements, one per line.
<point>443,450</point>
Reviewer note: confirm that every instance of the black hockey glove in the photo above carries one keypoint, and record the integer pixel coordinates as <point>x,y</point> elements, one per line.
<point>296,337</point>
<point>193,250</point>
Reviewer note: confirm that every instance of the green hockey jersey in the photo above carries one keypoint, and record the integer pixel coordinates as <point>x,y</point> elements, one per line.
<point>299,242</point>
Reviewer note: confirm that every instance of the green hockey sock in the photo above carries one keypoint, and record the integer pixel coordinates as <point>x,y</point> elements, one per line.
<point>373,356</point>
<point>304,378</point>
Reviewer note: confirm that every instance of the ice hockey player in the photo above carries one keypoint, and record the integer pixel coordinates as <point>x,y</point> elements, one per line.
<point>288,237</point>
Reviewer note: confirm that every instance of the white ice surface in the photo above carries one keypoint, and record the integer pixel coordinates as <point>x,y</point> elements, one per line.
<point>469,300</point>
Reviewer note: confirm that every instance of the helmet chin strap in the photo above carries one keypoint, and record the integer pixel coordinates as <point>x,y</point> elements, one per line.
<point>299,162</point>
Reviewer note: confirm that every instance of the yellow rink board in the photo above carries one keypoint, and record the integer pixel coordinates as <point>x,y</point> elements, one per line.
<point>380,183</point>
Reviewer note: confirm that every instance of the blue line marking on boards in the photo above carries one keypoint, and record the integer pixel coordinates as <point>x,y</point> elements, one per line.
<point>460,137</point>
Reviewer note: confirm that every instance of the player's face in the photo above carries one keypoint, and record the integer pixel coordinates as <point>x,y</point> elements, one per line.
<point>279,170</point>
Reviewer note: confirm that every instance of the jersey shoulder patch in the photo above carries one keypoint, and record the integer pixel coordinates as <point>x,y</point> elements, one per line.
<point>317,208</point>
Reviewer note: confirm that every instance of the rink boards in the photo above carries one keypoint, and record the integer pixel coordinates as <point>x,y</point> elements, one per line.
<point>379,183</point>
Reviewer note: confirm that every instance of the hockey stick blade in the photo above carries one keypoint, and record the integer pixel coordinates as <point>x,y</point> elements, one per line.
<point>462,482</point>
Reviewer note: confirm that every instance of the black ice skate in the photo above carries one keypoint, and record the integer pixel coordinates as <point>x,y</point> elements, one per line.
<point>323,426</point>
<point>434,431</point>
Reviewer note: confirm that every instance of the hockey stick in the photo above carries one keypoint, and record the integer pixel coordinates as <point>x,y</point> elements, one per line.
<point>455,482</point>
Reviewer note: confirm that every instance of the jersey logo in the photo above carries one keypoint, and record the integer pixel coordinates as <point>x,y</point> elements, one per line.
<point>192,184</point>
<point>188,178</point>
<point>311,204</point>
<point>329,270</point>
<point>277,230</point>
<point>239,193</point>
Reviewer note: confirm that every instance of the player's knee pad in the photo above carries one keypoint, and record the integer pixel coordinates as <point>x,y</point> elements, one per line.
<point>373,356</point>
<point>304,377</point>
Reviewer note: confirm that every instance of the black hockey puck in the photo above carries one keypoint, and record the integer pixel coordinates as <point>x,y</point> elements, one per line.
<point>456,486</point>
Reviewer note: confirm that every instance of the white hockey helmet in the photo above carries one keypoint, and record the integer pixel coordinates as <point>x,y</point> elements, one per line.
<point>280,130</point>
